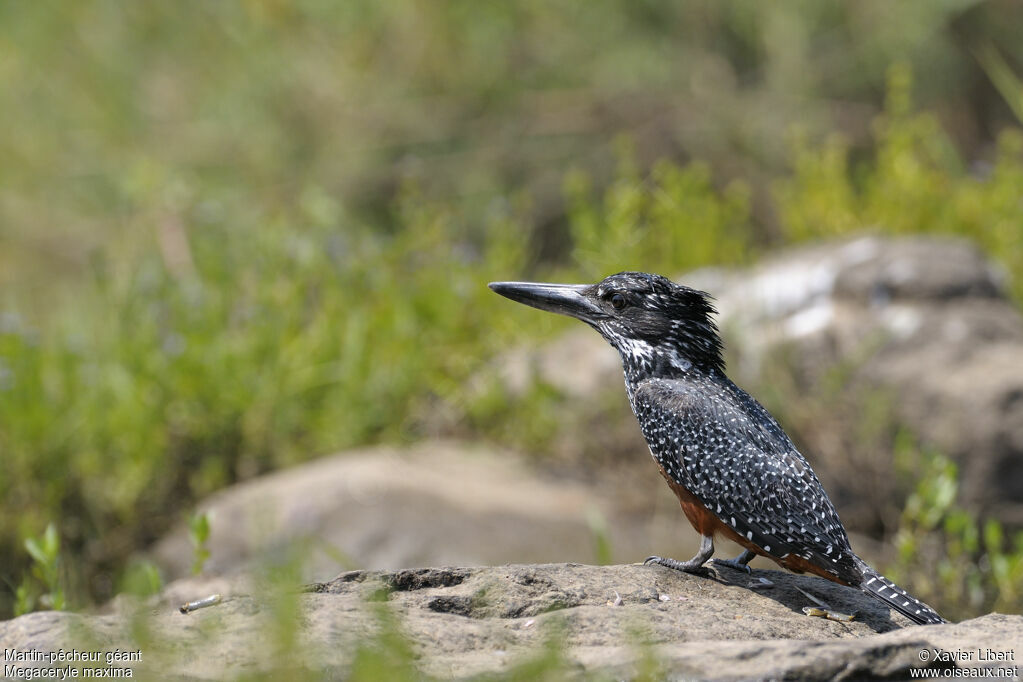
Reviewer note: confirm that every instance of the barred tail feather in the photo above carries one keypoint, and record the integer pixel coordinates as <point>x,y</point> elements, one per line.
<point>880,587</point>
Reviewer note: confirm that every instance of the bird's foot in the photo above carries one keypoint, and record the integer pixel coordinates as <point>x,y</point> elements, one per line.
<point>694,565</point>
<point>732,563</point>
<point>739,563</point>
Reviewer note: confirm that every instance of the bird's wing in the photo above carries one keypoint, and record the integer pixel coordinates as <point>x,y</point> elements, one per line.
<point>733,456</point>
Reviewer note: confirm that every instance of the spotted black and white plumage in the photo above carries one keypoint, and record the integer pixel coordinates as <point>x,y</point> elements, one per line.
<point>711,438</point>
<point>715,440</point>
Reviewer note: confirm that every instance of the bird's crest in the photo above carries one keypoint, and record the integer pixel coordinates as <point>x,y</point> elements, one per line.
<point>661,326</point>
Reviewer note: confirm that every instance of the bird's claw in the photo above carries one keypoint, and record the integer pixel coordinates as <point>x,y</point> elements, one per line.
<point>737,565</point>
<point>674,564</point>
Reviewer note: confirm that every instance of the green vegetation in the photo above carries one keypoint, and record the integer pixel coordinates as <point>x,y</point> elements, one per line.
<point>45,587</point>
<point>967,565</point>
<point>673,218</point>
<point>602,550</point>
<point>916,183</point>
<point>141,578</point>
<point>237,236</point>
<point>199,535</point>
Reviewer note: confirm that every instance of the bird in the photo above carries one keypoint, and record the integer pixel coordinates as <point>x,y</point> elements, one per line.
<point>735,471</point>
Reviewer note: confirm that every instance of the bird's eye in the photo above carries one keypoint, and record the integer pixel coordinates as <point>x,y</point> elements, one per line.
<point>617,301</point>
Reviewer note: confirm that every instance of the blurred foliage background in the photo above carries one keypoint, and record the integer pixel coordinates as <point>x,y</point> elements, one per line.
<point>234,236</point>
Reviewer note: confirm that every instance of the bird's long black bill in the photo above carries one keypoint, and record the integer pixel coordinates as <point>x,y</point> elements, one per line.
<point>565,299</point>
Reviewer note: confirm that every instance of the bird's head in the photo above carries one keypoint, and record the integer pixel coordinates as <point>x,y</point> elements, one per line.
<point>659,327</point>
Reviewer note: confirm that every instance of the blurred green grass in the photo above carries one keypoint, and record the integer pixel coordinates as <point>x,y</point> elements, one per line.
<point>234,236</point>
<point>118,117</point>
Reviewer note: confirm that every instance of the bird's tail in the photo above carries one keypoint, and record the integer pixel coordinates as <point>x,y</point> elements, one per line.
<point>880,587</point>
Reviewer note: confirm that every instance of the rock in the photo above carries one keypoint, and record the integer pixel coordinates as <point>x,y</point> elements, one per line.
<point>461,622</point>
<point>924,324</point>
<point>919,324</point>
<point>433,503</point>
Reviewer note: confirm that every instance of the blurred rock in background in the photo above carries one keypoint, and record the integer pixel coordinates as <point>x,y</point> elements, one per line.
<point>435,503</point>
